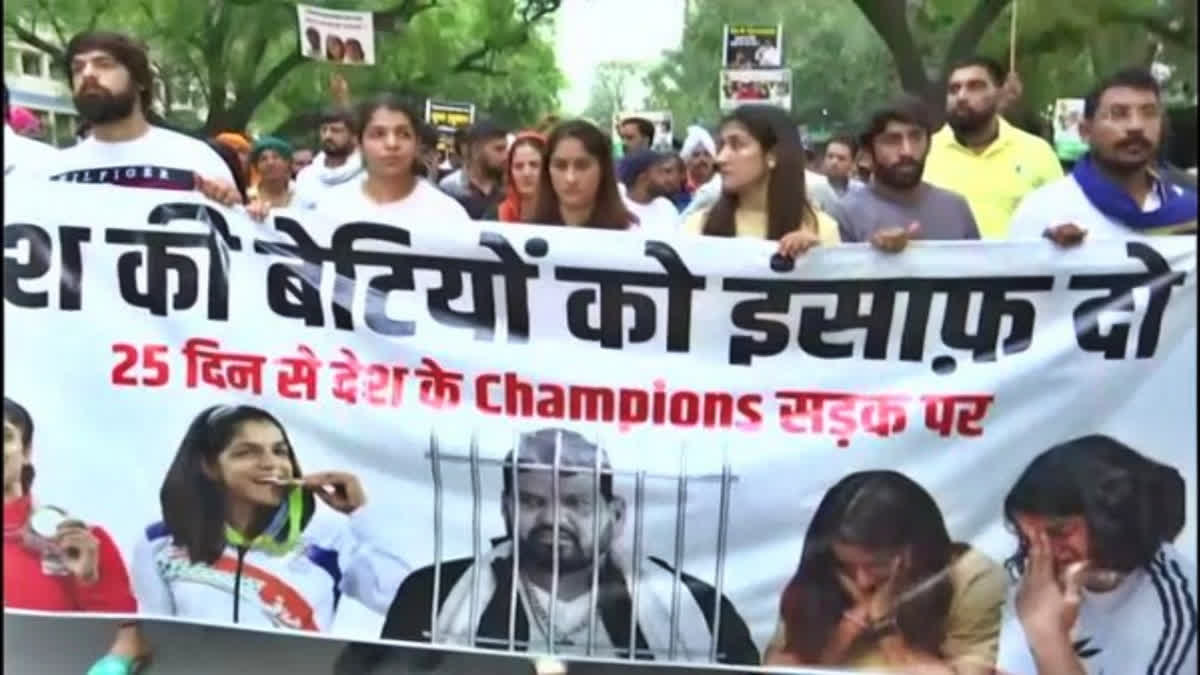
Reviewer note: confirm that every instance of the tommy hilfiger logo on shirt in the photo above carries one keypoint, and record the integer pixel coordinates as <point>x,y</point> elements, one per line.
<point>144,176</point>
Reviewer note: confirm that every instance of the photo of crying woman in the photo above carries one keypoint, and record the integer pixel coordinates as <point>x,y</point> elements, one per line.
<point>881,585</point>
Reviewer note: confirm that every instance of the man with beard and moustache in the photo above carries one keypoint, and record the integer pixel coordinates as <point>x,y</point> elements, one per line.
<point>1117,189</point>
<point>110,77</point>
<point>980,155</point>
<point>699,153</point>
<point>643,174</point>
<point>479,187</point>
<point>338,162</point>
<point>530,513</point>
<point>897,206</point>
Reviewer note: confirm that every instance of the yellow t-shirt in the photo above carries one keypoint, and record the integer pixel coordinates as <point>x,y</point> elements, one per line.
<point>753,224</point>
<point>995,180</point>
<point>972,625</point>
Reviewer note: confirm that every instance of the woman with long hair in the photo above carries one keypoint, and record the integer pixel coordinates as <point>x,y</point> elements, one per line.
<point>525,158</point>
<point>242,540</point>
<point>881,585</point>
<point>56,563</point>
<point>578,187</point>
<point>761,162</point>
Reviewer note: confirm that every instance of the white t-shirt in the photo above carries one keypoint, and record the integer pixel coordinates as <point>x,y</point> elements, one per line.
<point>1062,202</point>
<point>159,158</point>
<point>425,205</point>
<point>25,155</point>
<point>315,179</point>
<point>1147,624</point>
<point>659,217</point>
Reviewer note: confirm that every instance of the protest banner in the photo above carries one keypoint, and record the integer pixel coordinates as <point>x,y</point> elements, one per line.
<point>1068,142</point>
<point>336,36</point>
<point>448,117</point>
<point>752,47</point>
<point>677,408</point>
<point>769,87</point>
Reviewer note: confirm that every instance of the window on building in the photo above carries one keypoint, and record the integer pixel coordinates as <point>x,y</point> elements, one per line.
<point>31,64</point>
<point>64,129</point>
<point>12,60</point>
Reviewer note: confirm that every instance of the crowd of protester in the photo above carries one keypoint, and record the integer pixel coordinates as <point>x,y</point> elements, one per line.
<point>899,179</point>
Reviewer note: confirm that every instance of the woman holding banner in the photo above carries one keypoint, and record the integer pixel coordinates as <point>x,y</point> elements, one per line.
<point>578,187</point>
<point>763,196</point>
<point>881,585</point>
<point>241,540</point>
<point>54,563</point>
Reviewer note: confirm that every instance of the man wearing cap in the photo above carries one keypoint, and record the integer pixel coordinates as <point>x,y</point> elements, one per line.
<point>272,160</point>
<point>530,514</point>
<point>643,173</point>
<point>699,153</point>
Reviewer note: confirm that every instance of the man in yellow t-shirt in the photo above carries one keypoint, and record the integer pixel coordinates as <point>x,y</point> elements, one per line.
<point>981,156</point>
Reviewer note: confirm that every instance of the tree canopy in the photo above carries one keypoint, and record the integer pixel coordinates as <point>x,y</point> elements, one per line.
<point>245,57</point>
<point>847,55</point>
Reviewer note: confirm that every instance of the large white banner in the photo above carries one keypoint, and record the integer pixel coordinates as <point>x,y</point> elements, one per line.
<point>679,408</point>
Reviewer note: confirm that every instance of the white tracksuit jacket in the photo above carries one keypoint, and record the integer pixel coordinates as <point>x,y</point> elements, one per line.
<point>299,589</point>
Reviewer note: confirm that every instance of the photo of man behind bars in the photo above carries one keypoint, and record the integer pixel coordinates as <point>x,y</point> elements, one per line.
<point>568,585</point>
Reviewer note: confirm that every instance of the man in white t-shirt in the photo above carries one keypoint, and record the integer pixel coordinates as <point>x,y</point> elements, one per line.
<point>22,155</point>
<point>643,175</point>
<point>112,82</point>
<point>1101,589</point>
<point>1116,189</point>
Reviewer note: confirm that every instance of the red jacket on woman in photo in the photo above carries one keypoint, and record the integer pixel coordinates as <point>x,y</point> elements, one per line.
<point>32,582</point>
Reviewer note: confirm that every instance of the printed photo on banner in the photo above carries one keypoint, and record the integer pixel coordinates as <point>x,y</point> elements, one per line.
<point>753,47</point>
<point>661,120</point>
<point>742,87</point>
<point>573,571</point>
<point>337,36</point>
<point>638,449</point>
<point>1068,141</point>
<point>449,118</point>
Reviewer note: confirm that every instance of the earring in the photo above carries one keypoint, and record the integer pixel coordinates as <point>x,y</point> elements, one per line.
<point>770,164</point>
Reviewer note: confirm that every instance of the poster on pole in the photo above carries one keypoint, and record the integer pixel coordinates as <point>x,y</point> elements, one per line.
<point>1068,141</point>
<point>595,445</point>
<point>448,117</point>
<point>767,87</point>
<point>337,36</point>
<point>663,127</point>
<point>752,47</point>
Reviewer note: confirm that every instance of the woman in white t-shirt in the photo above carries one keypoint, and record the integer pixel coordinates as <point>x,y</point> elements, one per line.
<point>391,188</point>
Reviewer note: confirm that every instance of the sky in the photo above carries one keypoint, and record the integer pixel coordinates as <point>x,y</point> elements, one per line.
<point>591,32</point>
